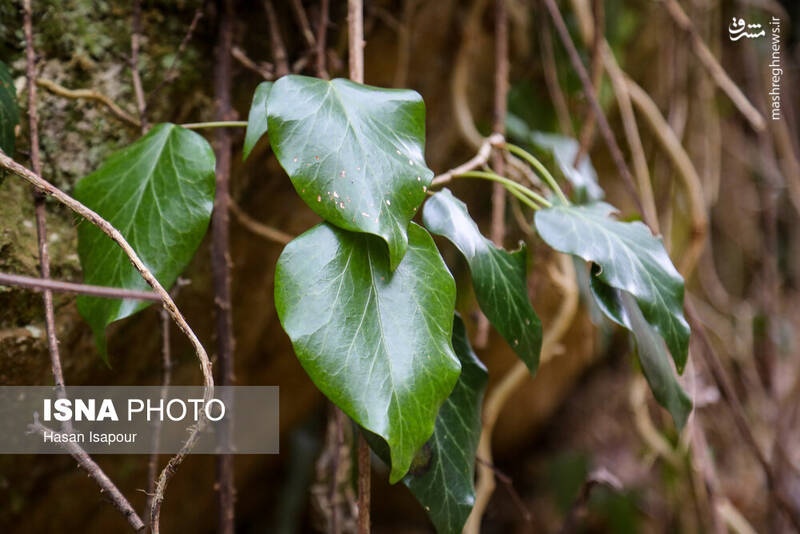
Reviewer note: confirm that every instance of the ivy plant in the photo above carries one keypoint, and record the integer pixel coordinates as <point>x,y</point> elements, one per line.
<point>159,193</point>
<point>365,296</point>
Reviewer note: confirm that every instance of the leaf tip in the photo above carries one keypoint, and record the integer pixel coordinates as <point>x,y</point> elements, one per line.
<point>101,342</point>
<point>398,245</point>
<point>680,414</point>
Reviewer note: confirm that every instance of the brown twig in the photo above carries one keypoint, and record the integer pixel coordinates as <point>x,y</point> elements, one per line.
<point>387,17</point>
<point>87,94</point>
<point>501,68</point>
<point>551,79</point>
<point>460,80</point>
<point>166,378</point>
<point>38,199</point>
<point>166,363</point>
<point>33,113</point>
<point>713,67</point>
<point>304,60</point>
<point>355,41</point>
<point>220,249</point>
<point>262,68</point>
<point>167,302</point>
<point>686,170</point>
<point>260,229</point>
<point>588,129</point>
<point>589,33</point>
<point>322,34</point>
<point>47,285</point>
<point>631,128</point>
<point>364,476</point>
<point>136,30</point>
<point>302,21</point>
<point>279,55</point>
<point>602,122</point>
<point>107,487</point>
<point>497,229</point>
<point>169,75</point>
<point>508,482</point>
<point>478,160</point>
<point>156,498</point>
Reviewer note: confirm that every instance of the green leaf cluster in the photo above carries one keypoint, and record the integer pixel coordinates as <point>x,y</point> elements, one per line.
<point>374,341</point>
<point>365,296</point>
<point>635,285</point>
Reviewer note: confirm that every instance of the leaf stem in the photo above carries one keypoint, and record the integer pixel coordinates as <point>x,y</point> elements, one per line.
<point>525,195</point>
<point>215,124</point>
<point>540,168</point>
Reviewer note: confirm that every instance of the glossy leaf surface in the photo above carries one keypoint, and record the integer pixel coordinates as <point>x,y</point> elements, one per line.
<point>631,259</point>
<point>376,342</point>
<point>354,153</point>
<point>9,112</point>
<point>257,118</point>
<point>498,276</point>
<point>442,478</point>
<point>159,193</point>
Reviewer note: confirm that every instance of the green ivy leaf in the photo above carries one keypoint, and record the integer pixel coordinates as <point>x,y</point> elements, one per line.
<point>442,477</point>
<point>499,277</point>
<point>631,259</point>
<point>621,307</point>
<point>374,341</point>
<point>257,119</point>
<point>354,153</point>
<point>9,112</point>
<point>159,193</point>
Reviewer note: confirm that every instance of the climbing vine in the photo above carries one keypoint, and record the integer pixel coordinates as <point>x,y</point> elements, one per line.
<point>365,296</point>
